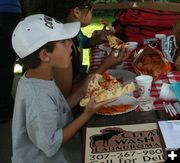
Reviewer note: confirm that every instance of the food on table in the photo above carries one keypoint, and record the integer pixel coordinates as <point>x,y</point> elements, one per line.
<point>104,87</point>
<point>151,62</point>
<point>115,42</point>
<point>114,109</point>
<point>107,25</point>
<point>111,28</point>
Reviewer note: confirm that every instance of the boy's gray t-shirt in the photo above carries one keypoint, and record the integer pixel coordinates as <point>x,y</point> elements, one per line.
<point>40,113</point>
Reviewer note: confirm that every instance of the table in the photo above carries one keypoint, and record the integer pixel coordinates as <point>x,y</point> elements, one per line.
<point>136,118</point>
<point>100,124</point>
<point>112,128</point>
<point>129,118</point>
<point>98,55</point>
<point>169,78</point>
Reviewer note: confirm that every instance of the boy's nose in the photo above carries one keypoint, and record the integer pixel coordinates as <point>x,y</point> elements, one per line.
<point>71,41</point>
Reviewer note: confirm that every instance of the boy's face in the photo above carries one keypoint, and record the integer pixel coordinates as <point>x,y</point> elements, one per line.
<point>85,17</point>
<point>61,55</point>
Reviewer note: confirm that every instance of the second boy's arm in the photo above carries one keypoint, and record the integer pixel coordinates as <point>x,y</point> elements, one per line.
<point>93,41</point>
<point>98,39</point>
<point>113,59</point>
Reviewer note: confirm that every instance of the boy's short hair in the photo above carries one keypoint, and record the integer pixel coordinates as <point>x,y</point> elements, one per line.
<point>36,30</point>
<point>58,9</point>
<point>32,61</point>
<point>76,3</point>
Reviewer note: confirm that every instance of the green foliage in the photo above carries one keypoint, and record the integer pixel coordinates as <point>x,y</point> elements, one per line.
<point>96,25</point>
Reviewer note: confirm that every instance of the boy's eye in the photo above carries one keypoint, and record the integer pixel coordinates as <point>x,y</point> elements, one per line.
<point>66,41</point>
<point>62,41</point>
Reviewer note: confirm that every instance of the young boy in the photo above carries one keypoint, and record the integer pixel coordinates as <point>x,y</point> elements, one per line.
<point>43,128</point>
<point>71,11</point>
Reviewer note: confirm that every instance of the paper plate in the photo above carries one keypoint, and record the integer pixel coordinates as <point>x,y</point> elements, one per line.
<point>105,47</point>
<point>123,100</point>
<point>126,75</point>
<point>120,66</point>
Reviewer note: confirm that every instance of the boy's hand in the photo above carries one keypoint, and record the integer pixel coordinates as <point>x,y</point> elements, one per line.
<point>120,54</point>
<point>117,56</point>
<point>103,35</point>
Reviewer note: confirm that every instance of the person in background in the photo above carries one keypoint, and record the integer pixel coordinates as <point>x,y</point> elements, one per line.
<point>10,15</point>
<point>117,25</point>
<point>43,128</point>
<point>71,11</point>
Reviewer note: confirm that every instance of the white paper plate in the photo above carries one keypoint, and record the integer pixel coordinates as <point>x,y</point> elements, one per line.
<point>105,48</point>
<point>123,100</point>
<point>125,74</point>
<point>119,66</point>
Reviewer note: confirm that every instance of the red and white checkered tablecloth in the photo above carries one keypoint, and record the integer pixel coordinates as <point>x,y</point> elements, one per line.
<point>96,58</point>
<point>98,55</point>
<point>169,78</point>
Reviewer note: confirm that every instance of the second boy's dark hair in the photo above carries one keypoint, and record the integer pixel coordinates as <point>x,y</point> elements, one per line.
<point>58,9</point>
<point>33,60</point>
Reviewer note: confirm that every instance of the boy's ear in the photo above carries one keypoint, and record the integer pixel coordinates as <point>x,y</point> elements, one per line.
<point>76,12</point>
<point>43,55</point>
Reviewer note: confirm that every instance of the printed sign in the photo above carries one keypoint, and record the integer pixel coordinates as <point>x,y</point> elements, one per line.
<point>138,143</point>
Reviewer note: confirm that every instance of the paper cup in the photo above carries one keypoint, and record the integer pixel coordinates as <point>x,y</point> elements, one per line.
<point>132,46</point>
<point>160,36</point>
<point>144,83</point>
<point>166,93</point>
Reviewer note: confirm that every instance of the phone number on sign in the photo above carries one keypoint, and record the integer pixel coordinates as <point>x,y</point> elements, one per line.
<point>146,156</point>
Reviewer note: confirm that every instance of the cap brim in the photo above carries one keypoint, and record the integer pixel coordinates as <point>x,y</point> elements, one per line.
<point>69,30</point>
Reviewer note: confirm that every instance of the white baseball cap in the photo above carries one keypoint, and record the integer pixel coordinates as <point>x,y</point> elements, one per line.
<point>36,30</point>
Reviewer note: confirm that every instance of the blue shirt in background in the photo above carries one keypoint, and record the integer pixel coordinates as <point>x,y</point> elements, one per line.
<point>10,6</point>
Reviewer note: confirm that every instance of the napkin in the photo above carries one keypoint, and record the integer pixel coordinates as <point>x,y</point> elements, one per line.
<point>171,132</point>
<point>175,87</point>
